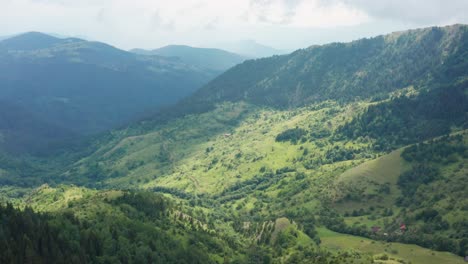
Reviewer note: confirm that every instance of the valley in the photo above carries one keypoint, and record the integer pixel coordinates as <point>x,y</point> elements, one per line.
<point>342,153</point>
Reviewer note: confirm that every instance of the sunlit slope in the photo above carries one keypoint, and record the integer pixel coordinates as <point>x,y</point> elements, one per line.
<point>394,252</point>
<point>371,183</point>
<point>210,152</point>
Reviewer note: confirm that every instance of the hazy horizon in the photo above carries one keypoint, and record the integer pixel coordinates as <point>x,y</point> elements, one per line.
<point>281,24</point>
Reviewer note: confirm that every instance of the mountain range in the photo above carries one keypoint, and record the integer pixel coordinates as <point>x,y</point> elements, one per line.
<point>252,49</point>
<point>340,153</point>
<point>211,59</point>
<point>86,87</point>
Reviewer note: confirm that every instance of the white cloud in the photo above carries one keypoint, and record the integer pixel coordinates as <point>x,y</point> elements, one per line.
<point>152,23</point>
<point>312,14</point>
<point>421,12</point>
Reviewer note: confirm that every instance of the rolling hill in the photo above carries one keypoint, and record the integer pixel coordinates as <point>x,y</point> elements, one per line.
<point>213,59</point>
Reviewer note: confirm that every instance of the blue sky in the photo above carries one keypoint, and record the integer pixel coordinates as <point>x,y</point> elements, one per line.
<point>283,24</point>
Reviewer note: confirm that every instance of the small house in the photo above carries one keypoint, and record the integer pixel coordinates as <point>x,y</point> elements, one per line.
<point>403,227</point>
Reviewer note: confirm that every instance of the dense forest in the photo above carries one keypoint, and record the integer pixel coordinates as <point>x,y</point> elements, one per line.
<point>144,233</point>
<point>409,119</point>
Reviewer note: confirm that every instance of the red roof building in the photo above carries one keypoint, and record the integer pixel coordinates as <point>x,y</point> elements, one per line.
<point>402,227</point>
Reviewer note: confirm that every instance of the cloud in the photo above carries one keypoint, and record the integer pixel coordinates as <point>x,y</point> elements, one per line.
<point>274,11</point>
<point>419,12</point>
<point>157,22</point>
<point>212,24</point>
<point>305,13</point>
<point>313,14</point>
<point>153,23</point>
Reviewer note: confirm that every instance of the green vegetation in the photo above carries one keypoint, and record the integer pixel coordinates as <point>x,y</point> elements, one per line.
<point>321,156</point>
<point>404,120</point>
<point>292,135</point>
<point>105,228</point>
<point>428,197</point>
<point>363,69</point>
<point>379,249</point>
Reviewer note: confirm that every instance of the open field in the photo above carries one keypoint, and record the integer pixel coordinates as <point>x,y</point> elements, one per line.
<point>414,254</point>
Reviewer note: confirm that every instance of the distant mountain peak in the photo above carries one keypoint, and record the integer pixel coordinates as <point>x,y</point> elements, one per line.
<point>29,41</point>
<point>207,58</point>
<point>34,34</point>
<point>85,86</point>
<point>251,48</point>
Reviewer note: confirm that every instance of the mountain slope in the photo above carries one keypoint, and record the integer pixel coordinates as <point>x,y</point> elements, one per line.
<point>425,190</point>
<point>214,59</point>
<point>88,87</point>
<point>23,131</point>
<point>375,147</point>
<point>346,71</point>
<point>150,150</point>
<point>258,160</point>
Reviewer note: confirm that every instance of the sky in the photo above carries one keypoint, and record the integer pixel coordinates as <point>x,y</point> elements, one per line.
<point>283,24</point>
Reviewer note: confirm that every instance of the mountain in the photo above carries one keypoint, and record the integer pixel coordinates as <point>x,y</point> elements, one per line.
<point>29,41</point>
<point>346,71</point>
<point>346,152</point>
<point>5,37</point>
<point>252,49</point>
<point>214,59</point>
<point>23,131</point>
<point>88,87</point>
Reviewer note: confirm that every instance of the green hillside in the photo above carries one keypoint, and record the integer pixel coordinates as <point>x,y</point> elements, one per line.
<point>239,158</point>
<point>343,153</point>
<point>428,195</point>
<point>86,226</point>
<point>89,226</point>
<point>362,69</point>
<point>385,252</point>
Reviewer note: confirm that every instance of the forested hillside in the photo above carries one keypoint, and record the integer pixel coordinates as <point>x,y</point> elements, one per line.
<point>362,69</point>
<point>343,153</point>
<point>83,87</point>
<point>108,227</point>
